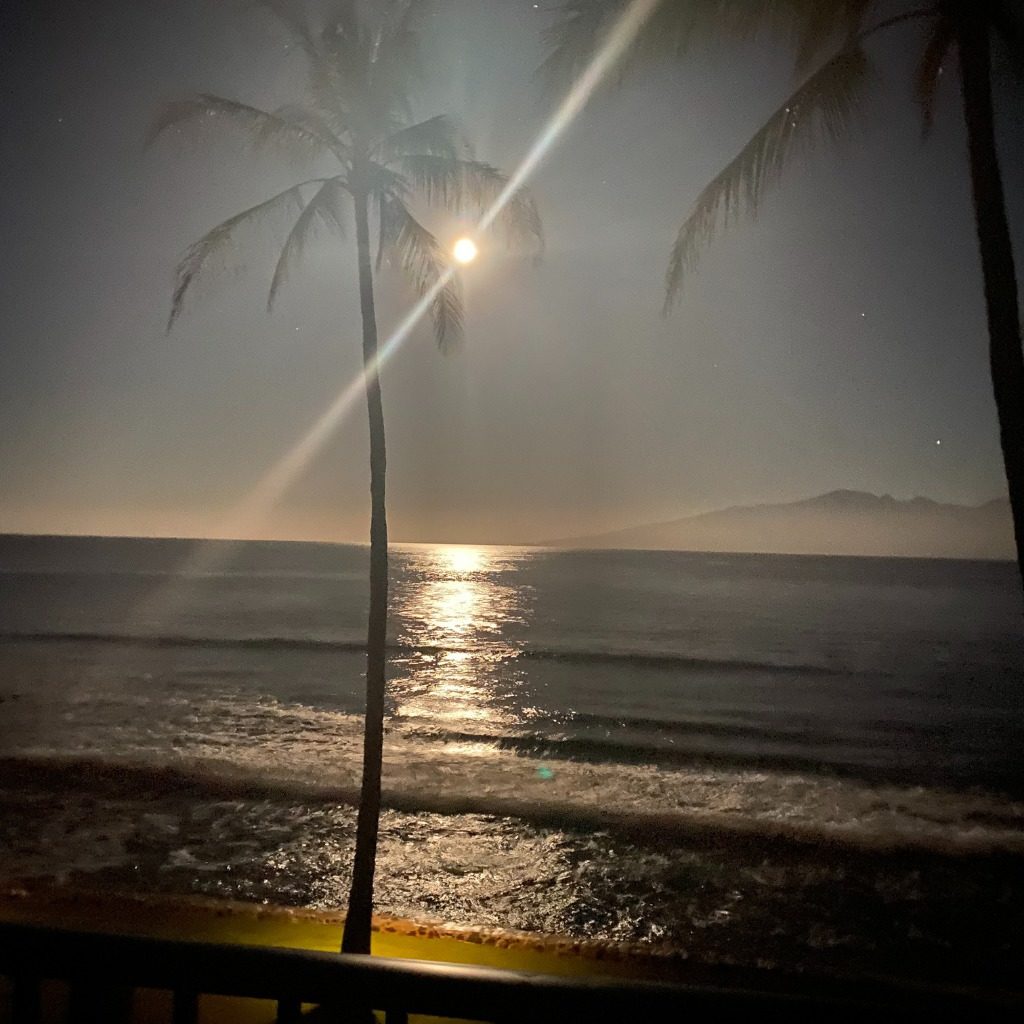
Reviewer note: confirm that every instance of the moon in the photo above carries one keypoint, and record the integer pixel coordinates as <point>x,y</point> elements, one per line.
<point>465,250</point>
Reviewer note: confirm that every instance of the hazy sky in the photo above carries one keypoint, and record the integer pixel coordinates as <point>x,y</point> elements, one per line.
<point>829,345</point>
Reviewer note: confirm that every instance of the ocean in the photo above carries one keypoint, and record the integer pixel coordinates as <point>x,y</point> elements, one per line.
<point>811,763</point>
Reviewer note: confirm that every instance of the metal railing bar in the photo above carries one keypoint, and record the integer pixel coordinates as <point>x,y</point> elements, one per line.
<point>262,972</point>
<point>273,973</point>
<point>441,989</point>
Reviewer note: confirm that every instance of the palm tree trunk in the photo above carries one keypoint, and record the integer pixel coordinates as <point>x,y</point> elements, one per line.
<point>356,937</point>
<point>1006,357</point>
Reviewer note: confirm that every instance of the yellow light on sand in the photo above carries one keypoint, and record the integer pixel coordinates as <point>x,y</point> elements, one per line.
<point>465,250</point>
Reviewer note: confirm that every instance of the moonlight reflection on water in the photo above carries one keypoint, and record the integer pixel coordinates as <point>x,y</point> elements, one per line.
<point>455,609</point>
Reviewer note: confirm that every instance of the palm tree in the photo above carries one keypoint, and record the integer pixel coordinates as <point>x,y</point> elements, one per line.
<point>355,124</point>
<point>824,104</point>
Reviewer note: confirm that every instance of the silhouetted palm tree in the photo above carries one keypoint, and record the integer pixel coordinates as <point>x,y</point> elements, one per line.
<point>823,105</point>
<point>355,125</point>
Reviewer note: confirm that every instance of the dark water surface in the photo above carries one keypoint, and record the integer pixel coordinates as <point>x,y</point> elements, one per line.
<point>807,761</point>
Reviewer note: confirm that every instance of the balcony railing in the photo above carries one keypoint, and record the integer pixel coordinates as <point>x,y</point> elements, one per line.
<point>103,970</point>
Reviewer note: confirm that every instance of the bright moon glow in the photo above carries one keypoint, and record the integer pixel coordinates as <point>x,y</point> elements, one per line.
<point>465,250</point>
<point>278,479</point>
<point>283,473</point>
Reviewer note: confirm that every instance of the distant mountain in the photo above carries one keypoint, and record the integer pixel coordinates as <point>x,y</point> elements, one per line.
<point>837,523</point>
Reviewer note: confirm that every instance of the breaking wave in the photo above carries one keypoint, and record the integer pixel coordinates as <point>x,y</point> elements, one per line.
<point>644,660</point>
<point>978,834</point>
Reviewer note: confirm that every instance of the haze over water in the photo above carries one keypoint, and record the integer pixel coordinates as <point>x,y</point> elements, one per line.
<point>744,756</point>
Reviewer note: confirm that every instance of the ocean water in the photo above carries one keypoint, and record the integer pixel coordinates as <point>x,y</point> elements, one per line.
<point>807,762</point>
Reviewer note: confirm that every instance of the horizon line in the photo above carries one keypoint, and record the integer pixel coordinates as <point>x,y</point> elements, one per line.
<point>553,546</point>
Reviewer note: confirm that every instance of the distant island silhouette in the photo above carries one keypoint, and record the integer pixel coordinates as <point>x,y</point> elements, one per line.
<point>840,522</point>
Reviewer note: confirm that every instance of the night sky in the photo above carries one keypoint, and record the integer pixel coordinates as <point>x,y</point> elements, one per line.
<point>829,345</point>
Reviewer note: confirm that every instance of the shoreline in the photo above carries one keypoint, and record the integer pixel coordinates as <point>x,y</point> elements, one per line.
<point>203,918</point>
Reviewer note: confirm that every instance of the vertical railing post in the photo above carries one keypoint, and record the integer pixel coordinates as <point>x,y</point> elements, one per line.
<point>289,1010</point>
<point>186,1007</point>
<point>26,1000</point>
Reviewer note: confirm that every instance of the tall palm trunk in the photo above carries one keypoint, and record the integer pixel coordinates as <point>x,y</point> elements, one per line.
<point>1006,357</point>
<point>356,938</point>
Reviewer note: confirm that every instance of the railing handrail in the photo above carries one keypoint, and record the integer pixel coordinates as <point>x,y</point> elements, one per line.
<point>416,986</point>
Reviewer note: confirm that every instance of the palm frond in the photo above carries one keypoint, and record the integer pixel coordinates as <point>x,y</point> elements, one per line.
<point>822,106</point>
<point>675,26</point>
<point>472,187</point>
<point>438,179</point>
<point>334,50</point>
<point>326,208</point>
<point>262,127</point>
<point>437,136</point>
<point>340,73</point>
<point>326,64</point>
<point>816,25</point>
<point>573,40</point>
<point>213,244</point>
<point>396,41</point>
<point>326,125</point>
<point>1008,23</point>
<point>396,63</point>
<point>426,263</point>
<point>292,15</point>
<point>929,69</point>
<point>384,181</point>
<point>448,315</point>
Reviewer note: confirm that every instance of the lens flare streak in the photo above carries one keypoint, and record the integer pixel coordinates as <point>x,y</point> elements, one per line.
<point>619,38</point>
